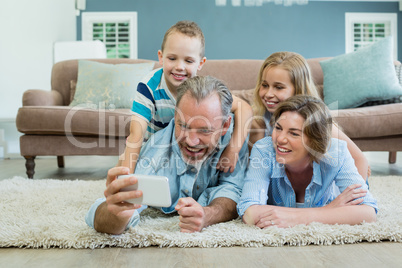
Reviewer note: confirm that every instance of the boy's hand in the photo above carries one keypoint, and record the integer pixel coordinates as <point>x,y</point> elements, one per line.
<point>228,160</point>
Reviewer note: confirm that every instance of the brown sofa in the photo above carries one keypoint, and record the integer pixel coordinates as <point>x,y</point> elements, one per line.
<point>51,127</point>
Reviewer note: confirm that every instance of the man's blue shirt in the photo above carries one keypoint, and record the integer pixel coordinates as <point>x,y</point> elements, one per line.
<point>161,156</point>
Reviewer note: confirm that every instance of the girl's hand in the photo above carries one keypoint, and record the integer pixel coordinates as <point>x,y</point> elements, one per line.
<point>349,197</point>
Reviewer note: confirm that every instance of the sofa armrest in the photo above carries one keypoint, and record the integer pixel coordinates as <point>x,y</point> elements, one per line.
<point>37,97</point>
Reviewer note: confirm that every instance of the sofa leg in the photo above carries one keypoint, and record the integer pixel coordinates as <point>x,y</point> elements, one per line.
<point>60,161</point>
<point>30,165</point>
<point>392,157</point>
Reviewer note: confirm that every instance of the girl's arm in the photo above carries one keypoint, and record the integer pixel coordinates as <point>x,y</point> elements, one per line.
<point>242,119</point>
<point>360,160</point>
<point>257,132</point>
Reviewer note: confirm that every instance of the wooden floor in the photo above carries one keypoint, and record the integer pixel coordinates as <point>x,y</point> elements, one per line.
<point>384,254</point>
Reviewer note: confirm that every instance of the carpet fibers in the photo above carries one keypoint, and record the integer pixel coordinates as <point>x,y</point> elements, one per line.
<point>50,213</point>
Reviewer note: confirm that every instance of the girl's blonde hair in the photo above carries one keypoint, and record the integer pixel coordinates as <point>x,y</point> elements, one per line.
<point>299,73</point>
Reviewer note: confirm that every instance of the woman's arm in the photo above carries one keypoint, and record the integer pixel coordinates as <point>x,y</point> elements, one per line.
<point>360,160</point>
<point>264,216</point>
<point>258,176</point>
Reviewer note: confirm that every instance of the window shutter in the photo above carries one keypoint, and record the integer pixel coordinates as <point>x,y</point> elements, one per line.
<point>366,33</point>
<point>117,30</point>
<point>362,29</point>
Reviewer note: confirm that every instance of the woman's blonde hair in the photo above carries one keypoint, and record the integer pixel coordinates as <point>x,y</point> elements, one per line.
<point>318,122</point>
<point>299,73</point>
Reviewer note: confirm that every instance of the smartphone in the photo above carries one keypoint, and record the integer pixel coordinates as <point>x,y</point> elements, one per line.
<point>155,190</point>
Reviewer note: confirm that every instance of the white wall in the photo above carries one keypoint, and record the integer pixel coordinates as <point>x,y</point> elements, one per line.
<point>29,29</point>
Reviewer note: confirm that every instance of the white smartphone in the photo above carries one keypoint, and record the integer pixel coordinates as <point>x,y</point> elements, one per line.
<point>155,190</point>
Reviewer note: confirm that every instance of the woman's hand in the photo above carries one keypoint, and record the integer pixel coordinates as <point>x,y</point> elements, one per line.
<point>265,216</point>
<point>281,217</point>
<point>349,197</point>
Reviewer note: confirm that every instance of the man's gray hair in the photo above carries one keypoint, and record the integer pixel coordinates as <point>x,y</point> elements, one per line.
<point>201,87</point>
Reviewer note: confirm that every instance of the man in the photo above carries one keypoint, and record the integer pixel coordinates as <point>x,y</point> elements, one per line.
<point>186,152</point>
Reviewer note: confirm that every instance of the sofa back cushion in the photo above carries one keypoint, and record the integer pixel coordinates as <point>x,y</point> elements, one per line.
<point>64,72</point>
<point>237,74</point>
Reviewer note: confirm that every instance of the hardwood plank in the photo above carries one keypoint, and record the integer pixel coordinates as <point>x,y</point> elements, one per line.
<point>15,257</point>
<point>76,167</point>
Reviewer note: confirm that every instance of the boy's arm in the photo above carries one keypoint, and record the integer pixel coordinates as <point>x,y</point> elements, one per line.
<point>138,126</point>
<point>242,121</point>
<point>360,160</point>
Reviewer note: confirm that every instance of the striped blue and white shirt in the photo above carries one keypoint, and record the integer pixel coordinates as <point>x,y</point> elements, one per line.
<point>266,181</point>
<point>154,102</point>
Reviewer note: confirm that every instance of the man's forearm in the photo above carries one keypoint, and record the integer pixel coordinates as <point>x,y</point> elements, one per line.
<point>221,209</point>
<point>106,222</point>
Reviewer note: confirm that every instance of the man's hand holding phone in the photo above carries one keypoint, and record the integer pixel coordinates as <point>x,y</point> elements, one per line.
<point>115,198</point>
<point>124,194</point>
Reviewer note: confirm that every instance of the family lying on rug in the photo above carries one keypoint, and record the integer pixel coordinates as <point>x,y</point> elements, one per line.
<point>301,168</point>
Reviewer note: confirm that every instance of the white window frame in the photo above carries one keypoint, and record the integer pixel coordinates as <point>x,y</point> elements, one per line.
<point>88,18</point>
<point>363,17</point>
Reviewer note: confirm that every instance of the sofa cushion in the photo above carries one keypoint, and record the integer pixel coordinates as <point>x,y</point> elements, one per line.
<point>236,74</point>
<point>245,94</point>
<point>397,99</point>
<point>368,122</point>
<point>73,87</point>
<point>108,85</point>
<point>62,120</point>
<point>367,74</point>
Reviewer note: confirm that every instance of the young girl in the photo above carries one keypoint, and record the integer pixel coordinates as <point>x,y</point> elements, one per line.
<point>301,175</point>
<point>283,75</point>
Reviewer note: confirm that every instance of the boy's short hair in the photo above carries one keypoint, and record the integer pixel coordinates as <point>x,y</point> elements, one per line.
<point>188,28</point>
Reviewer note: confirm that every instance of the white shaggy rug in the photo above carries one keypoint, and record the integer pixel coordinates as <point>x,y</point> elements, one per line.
<point>50,213</point>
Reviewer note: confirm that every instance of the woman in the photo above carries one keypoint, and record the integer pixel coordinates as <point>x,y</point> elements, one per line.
<point>282,75</point>
<point>301,175</point>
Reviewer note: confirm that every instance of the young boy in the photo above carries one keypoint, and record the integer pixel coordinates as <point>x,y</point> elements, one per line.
<point>181,56</point>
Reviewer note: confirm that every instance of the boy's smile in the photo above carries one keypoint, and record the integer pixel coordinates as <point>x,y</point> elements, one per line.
<point>181,59</point>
